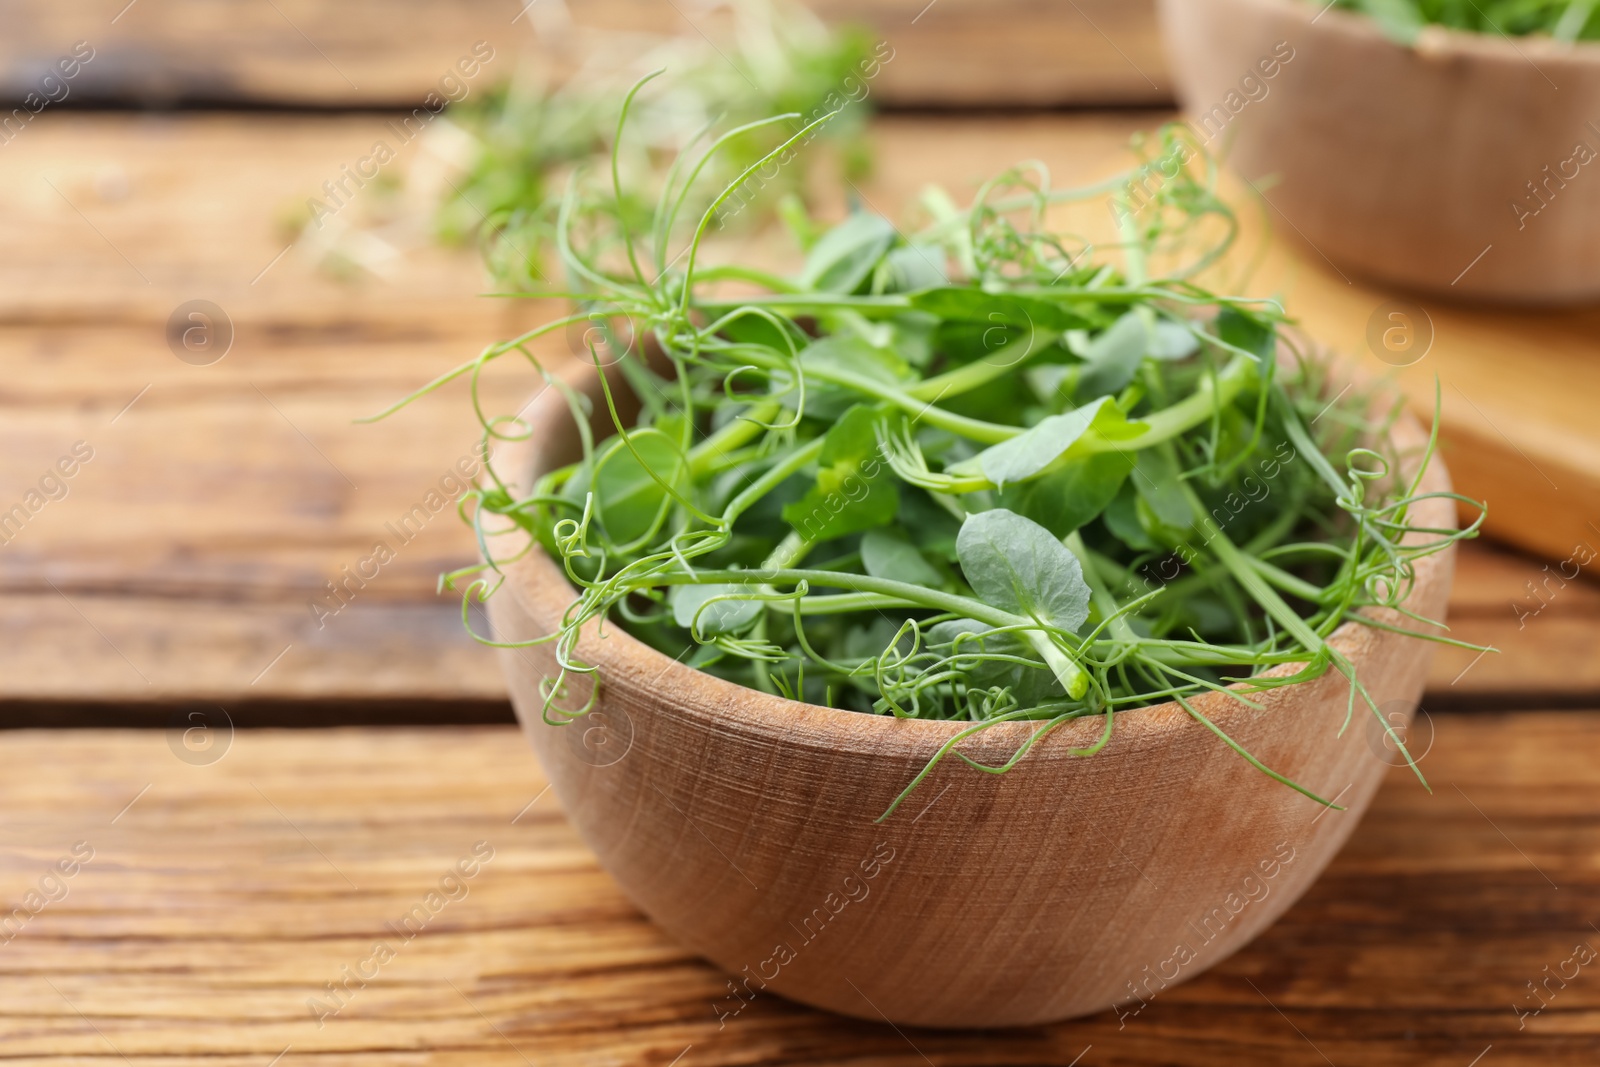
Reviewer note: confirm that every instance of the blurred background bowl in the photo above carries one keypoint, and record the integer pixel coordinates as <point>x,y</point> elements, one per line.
<point>1405,164</point>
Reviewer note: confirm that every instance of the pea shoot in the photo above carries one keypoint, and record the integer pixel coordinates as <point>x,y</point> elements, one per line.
<point>1564,20</point>
<point>975,471</point>
<point>525,137</point>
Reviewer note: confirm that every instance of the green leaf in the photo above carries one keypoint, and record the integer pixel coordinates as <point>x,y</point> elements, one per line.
<point>932,527</point>
<point>982,639</point>
<point>968,304</point>
<point>1122,519</point>
<point>1048,443</point>
<point>628,501</point>
<point>1243,330</point>
<point>754,329</point>
<point>1157,481</point>
<point>911,335</point>
<point>1015,564</point>
<point>1065,499</point>
<point>843,258</point>
<point>1033,450</point>
<point>1046,380</point>
<point>1114,356</point>
<point>913,267</point>
<point>855,487</point>
<point>868,642</point>
<point>1173,340</point>
<point>856,355</point>
<point>888,554</point>
<point>845,352</point>
<point>723,617</point>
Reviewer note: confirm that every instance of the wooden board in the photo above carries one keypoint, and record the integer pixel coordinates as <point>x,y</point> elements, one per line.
<point>219,898</point>
<point>184,560</point>
<point>1513,388</point>
<point>367,53</point>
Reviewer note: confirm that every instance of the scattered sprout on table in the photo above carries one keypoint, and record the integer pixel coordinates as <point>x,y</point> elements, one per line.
<point>491,168</point>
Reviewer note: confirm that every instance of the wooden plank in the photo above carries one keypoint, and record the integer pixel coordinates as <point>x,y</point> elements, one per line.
<point>366,53</point>
<point>1547,631</point>
<point>85,647</point>
<point>122,641</point>
<point>123,218</point>
<point>190,556</point>
<point>219,504</point>
<point>291,852</point>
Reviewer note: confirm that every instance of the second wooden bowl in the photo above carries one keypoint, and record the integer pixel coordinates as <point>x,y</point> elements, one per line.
<point>744,824</point>
<point>1467,166</point>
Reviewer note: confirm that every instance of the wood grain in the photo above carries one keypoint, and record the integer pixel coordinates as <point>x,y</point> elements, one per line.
<point>228,894</point>
<point>368,53</point>
<point>217,505</point>
<point>117,219</point>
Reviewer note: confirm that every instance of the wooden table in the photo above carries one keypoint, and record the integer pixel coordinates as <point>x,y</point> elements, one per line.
<point>175,578</point>
<point>221,898</point>
<point>184,560</point>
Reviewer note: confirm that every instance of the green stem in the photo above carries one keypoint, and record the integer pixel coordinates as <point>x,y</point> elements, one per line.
<point>791,550</point>
<point>810,300</point>
<point>1067,672</point>
<point>769,481</point>
<point>1289,583</point>
<point>734,272</point>
<point>1250,580</point>
<point>1071,676</point>
<point>996,365</point>
<point>931,599</point>
<point>844,602</point>
<point>1103,600</point>
<point>1186,414</point>
<point>734,435</point>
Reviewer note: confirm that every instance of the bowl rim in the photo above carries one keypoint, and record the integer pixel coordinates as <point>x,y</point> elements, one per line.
<point>1434,42</point>
<point>542,590</point>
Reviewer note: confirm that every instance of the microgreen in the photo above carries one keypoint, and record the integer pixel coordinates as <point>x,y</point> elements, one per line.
<point>525,138</point>
<point>1402,20</point>
<point>976,472</point>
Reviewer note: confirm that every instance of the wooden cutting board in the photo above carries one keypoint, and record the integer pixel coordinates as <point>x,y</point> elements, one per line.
<point>1518,390</point>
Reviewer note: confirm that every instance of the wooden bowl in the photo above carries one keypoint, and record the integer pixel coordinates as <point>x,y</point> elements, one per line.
<point>1404,164</point>
<point>744,824</point>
